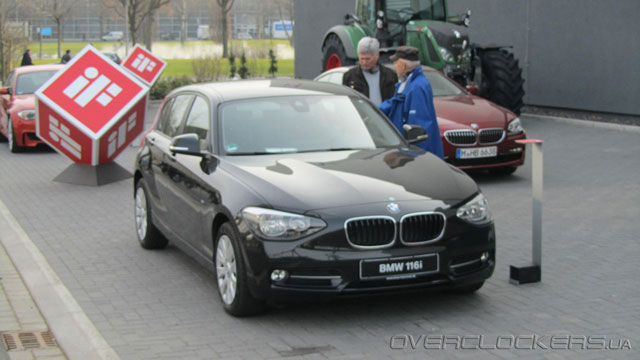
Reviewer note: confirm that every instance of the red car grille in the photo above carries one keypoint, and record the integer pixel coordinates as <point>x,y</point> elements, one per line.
<point>461,137</point>
<point>491,136</point>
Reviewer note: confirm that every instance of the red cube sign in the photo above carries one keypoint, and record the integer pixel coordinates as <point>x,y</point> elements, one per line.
<point>143,64</point>
<point>91,109</point>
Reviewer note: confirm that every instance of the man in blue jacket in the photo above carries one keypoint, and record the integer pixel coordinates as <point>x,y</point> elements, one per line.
<point>412,102</point>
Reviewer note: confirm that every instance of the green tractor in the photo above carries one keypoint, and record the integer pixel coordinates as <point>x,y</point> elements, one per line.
<point>443,42</point>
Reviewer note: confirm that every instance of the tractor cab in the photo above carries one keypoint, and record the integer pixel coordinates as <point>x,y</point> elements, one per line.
<point>387,20</point>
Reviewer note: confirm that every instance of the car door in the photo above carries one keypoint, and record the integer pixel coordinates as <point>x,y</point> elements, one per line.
<point>191,196</point>
<point>172,118</point>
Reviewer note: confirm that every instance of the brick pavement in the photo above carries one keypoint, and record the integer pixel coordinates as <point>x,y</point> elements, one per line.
<point>163,305</point>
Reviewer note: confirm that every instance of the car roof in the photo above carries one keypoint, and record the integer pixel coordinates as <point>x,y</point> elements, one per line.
<point>33,68</point>
<point>247,89</point>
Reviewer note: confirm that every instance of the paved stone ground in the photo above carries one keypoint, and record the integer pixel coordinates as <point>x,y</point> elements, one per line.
<point>19,314</point>
<point>163,305</point>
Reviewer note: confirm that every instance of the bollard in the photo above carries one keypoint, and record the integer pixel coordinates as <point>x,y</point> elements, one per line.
<point>533,273</point>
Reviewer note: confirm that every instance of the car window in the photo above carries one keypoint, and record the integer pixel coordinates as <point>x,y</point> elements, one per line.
<point>333,77</point>
<point>303,124</point>
<point>441,85</point>
<point>9,82</point>
<point>198,121</point>
<point>164,114</point>
<point>171,123</point>
<point>29,82</point>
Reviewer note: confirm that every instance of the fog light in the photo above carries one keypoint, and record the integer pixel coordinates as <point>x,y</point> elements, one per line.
<point>484,258</point>
<point>279,275</point>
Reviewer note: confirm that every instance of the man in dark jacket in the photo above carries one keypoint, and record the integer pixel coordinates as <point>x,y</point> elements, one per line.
<point>368,77</point>
<point>66,57</point>
<point>26,58</point>
<point>412,102</point>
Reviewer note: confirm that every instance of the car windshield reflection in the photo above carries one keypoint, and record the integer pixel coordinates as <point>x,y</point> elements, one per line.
<point>29,82</point>
<point>303,124</point>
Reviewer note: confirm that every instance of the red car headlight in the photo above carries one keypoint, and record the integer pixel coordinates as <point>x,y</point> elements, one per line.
<point>27,114</point>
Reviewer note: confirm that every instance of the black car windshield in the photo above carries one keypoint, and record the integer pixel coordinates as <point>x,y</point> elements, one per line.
<point>303,124</point>
<point>29,82</point>
<point>441,85</point>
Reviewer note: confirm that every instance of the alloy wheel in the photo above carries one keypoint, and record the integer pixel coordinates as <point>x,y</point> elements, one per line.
<point>141,213</point>
<point>226,269</point>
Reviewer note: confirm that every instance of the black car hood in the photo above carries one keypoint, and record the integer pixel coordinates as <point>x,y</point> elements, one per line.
<point>321,180</point>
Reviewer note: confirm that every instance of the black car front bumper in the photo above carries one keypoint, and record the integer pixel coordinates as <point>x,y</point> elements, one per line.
<point>465,255</point>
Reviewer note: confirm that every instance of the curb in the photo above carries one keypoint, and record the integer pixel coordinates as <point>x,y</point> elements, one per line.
<point>74,332</point>
<point>587,123</point>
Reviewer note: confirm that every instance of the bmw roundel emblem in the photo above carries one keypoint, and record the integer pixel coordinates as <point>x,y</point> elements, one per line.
<point>393,208</point>
<point>474,125</point>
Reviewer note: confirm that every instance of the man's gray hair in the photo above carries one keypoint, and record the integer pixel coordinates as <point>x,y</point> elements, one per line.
<point>368,45</point>
<point>411,64</point>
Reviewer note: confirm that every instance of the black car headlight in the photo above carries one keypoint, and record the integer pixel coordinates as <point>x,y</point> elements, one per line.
<point>279,225</point>
<point>475,211</point>
<point>515,127</point>
<point>27,114</point>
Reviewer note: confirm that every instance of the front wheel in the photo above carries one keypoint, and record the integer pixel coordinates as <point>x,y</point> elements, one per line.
<point>334,54</point>
<point>11,138</point>
<point>502,80</point>
<point>231,274</point>
<point>148,235</point>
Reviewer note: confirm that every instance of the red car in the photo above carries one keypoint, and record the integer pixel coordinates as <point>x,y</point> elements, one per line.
<point>17,119</point>
<point>476,133</point>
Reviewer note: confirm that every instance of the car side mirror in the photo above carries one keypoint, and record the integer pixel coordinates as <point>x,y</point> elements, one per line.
<point>472,89</point>
<point>5,91</point>
<point>414,133</point>
<point>186,144</point>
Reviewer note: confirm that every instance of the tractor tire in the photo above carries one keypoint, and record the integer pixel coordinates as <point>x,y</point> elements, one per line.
<point>334,54</point>
<point>502,79</point>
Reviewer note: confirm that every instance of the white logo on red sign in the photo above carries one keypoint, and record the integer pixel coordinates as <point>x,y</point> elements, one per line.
<point>91,109</point>
<point>62,135</point>
<point>143,64</point>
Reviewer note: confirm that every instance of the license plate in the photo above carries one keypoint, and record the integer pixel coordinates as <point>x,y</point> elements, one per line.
<point>475,153</point>
<point>399,268</point>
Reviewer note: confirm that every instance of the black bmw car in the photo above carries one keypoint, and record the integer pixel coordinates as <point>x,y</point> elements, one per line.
<point>291,187</point>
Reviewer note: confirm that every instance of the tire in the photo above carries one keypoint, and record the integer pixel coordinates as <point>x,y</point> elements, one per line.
<point>148,235</point>
<point>502,80</point>
<point>467,289</point>
<point>504,170</point>
<point>231,275</point>
<point>334,54</point>
<point>11,138</point>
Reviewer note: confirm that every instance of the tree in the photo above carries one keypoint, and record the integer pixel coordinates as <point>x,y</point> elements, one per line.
<point>139,13</point>
<point>58,10</point>
<point>180,8</point>
<point>11,38</point>
<point>288,7</point>
<point>225,7</point>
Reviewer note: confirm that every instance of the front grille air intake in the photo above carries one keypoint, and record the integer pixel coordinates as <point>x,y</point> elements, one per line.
<point>460,137</point>
<point>371,232</point>
<point>491,136</point>
<point>422,228</point>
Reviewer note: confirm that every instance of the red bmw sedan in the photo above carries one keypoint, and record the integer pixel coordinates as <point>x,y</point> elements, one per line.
<point>476,133</point>
<point>18,115</point>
